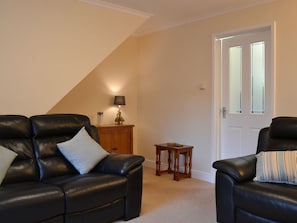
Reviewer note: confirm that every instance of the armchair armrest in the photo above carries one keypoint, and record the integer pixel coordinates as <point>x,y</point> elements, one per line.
<point>240,168</point>
<point>119,163</point>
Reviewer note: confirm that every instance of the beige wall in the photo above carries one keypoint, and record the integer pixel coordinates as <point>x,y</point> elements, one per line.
<point>116,75</point>
<point>175,62</point>
<point>47,47</point>
<point>164,89</point>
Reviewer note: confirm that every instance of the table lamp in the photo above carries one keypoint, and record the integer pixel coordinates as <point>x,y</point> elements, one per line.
<point>119,101</point>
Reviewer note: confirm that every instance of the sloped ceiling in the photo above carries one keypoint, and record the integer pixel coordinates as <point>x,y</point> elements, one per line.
<point>47,47</point>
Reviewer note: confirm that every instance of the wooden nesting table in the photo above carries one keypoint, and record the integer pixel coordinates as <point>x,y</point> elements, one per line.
<point>177,150</point>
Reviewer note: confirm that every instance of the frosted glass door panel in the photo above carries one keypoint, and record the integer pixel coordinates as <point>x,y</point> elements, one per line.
<point>235,79</point>
<point>258,78</point>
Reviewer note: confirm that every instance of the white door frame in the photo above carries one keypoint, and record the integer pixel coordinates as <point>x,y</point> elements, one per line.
<point>216,84</point>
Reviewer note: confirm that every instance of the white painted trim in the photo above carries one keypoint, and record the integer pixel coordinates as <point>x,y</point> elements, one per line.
<point>197,174</point>
<point>244,30</point>
<point>216,101</point>
<point>151,164</point>
<point>216,81</point>
<point>273,68</point>
<point>117,7</point>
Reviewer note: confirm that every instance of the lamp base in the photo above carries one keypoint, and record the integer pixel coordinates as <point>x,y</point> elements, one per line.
<point>119,120</point>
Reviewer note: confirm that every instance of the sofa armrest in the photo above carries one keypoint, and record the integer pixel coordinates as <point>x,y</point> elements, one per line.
<point>240,168</point>
<point>129,166</point>
<point>119,163</point>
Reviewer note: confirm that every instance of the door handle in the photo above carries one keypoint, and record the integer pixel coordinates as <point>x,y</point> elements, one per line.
<point>224,111</point>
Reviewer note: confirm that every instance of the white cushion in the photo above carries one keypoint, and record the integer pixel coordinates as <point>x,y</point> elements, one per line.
<point>277,167</point>
<point>6,158</point>
<point>83,152</point>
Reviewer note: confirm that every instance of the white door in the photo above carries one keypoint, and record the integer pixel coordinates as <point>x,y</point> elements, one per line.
<point>247,99</point>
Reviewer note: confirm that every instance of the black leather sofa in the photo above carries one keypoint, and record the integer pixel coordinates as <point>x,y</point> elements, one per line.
<point>241,199</point>
<point>42,186</point>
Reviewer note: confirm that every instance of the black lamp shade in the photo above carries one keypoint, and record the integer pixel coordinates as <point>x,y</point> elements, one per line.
<point>119,100</point>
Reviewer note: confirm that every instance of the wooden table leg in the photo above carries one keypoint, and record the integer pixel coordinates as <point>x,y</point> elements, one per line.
<point>176,166</point>
<point>186,156</point>
<point>190,163</point>
<point>169,162</point>
<point>158,161</point>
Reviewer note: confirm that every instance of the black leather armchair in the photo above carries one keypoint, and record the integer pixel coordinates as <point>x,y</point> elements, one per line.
<point>240,199</point>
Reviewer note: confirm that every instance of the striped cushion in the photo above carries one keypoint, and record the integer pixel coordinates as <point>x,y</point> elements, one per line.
<point>277,167</point>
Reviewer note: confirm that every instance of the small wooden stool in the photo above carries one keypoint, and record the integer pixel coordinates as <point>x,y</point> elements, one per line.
<point>177,150</point>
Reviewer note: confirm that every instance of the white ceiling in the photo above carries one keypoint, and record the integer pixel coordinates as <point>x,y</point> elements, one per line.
<point>169,13</point>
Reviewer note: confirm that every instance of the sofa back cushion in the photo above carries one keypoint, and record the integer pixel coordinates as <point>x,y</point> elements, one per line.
<point>15,134</point>
<point>48,131</point>
<point>281,135</point>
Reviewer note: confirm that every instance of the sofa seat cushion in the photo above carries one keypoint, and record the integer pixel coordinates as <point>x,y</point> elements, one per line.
<point>30,202</point>
<point>90,190</point>
<point>277,202</point>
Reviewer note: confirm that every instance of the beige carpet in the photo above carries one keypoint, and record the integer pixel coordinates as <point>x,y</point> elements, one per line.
<point>167,201</point>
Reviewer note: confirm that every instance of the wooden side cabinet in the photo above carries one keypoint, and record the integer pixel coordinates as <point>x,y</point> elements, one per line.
<point>116,138</point>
